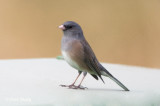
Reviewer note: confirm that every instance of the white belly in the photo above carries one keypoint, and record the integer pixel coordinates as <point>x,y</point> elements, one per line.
<point>70,61</point>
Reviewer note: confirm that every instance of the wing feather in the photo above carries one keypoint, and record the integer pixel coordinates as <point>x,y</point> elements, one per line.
<point>91,60</point>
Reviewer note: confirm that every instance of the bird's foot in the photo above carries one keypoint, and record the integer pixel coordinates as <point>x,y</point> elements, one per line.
<point>72,86</point>
<point>80,87</point>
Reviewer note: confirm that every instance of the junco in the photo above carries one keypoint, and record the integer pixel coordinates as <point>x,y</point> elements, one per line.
<point>78,53</point>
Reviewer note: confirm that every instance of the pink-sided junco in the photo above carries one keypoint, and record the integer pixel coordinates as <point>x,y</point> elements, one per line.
<point>78,53</point>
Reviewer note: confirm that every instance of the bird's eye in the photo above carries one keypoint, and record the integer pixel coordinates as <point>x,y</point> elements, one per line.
<point>69,27</point>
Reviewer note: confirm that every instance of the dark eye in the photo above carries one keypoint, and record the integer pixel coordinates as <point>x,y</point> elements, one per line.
<point>69,26</point>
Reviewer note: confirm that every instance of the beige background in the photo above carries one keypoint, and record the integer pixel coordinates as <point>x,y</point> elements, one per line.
<point>119,31</point>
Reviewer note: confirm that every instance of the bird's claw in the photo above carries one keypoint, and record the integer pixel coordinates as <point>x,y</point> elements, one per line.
<point>69,86</point>
<point>74,87</point>
<point>63,85</point>
<point>80,87</point>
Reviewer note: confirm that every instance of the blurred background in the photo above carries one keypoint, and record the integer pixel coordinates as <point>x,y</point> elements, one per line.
<point>119,31</point>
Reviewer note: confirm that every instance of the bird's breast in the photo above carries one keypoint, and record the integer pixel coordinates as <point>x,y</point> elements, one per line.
<point>73,53</point>
<point>69,60</point>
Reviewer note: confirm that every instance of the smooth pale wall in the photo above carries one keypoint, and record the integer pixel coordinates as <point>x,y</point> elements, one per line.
<point>119,31</point>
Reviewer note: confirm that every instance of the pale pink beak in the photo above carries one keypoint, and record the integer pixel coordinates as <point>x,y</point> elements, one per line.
<point>62,27</point>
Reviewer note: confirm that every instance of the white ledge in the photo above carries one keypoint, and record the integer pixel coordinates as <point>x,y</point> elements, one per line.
<point>35,82</point>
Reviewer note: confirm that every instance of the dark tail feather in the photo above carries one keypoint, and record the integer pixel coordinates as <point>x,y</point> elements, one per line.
<point>119,83</point>
<point>106,73</point>
<point>95,76</point>
<point>102,79</point>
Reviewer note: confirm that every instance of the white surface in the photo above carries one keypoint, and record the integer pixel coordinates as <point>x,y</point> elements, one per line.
<point>35,82</point>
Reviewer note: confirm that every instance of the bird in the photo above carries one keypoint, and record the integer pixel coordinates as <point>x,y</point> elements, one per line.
<point>78,54</point>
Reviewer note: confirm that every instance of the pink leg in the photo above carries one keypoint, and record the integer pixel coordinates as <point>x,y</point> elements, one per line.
<point>79,86</point>
<point>72,85</point>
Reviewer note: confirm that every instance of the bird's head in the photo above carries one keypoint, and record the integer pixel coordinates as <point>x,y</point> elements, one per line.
<point>70,27</point>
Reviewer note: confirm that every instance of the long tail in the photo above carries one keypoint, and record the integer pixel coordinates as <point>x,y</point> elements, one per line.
<point>106,73</point>
<point>119,83</point>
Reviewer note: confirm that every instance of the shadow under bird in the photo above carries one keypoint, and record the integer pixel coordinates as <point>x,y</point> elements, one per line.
<point>78,53</point>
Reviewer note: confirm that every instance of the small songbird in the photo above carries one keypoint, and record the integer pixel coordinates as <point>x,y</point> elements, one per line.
<point>78,53</point>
